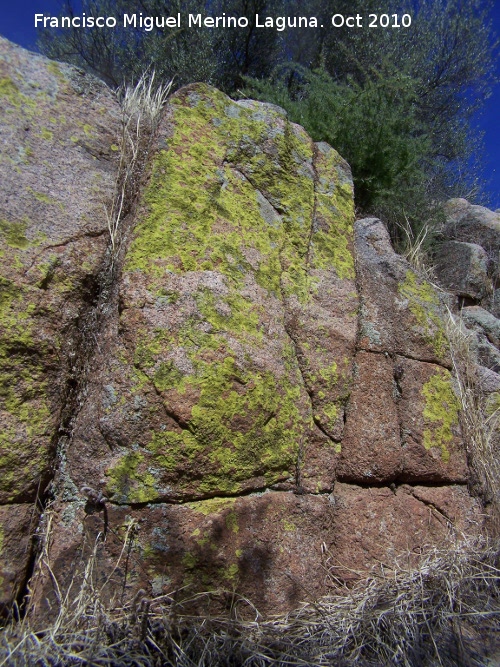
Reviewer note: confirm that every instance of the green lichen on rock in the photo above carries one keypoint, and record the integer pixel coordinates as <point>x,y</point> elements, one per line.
<point>423,303</point>
<point>46,199</point>
<point>232,313</point>
<point>328,415</point>
<point>230,572</point>
<point>243,424</point>
<point>203,213</point>
<point>326,382</point>
<point>334,213</point>
<point>232,522</point>
<point>203,205</point>
<point>10,92</point>
<point>189,561</point>
<point>492,404</point>
<point>441,412</point>
<point>46,134</point>
<point>131,484</point>
<point>14,234</point>
<point>24,403</point>
<point>329,386</point>
<point>231,207</point>
<point>212,506</point>
<point>55,69</point>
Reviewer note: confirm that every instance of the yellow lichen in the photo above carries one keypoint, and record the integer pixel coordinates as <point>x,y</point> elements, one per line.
<point>254,217</point>
<point>423,303</point>
<point>211,505</point>
<point>14,234</point>
<point>440,412</point>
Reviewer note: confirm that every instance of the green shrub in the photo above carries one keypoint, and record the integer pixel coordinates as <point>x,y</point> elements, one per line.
<point>375,127</point>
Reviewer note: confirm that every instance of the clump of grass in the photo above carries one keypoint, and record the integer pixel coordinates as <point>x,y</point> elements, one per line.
<point>141,107</point>
<point>445,611</point>
<point>414,247</point>
<point>439,613</point>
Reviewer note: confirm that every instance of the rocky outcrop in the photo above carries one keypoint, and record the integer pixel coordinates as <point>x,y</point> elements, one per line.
<point>474,224</point>
<point>468,268</point>
<point>261,388</point>
<point>58,129</point>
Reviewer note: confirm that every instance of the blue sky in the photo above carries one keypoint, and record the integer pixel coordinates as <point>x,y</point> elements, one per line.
<point>17,24</point>
<point>489,121</point>
<point>16,19</point>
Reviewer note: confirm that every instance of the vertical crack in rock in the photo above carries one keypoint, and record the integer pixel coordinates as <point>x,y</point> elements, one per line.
<point>52,252</point>
<point>287,315</point>
<point>315,204</point>
<point>104,307</point>
<point>324,348</point>
<point>99,291</point>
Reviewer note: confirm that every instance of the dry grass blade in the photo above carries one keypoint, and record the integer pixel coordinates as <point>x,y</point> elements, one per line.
<point>414,248</point>
<point>144,101</point>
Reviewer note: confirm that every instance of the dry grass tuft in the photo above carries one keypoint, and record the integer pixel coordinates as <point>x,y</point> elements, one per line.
<point>445,612</point>
<point>141,107</point>
<point>415,248</point>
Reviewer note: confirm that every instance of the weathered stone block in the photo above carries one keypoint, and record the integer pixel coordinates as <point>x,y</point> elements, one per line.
<point>371,448</point>
<point>429,413</point>
<point>462,268</point>
<point>474,224</point>
<point>400,311</point>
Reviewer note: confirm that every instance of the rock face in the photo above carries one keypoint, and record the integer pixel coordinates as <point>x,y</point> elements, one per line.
<point>263,391</point>
<point>57,134</point>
